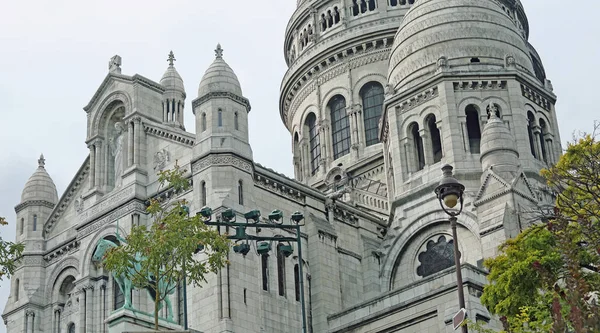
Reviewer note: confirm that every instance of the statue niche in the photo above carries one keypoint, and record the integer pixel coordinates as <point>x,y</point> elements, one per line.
<point>115,133</point>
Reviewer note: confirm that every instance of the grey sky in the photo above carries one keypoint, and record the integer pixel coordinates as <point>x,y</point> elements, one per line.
<point>54,55</point>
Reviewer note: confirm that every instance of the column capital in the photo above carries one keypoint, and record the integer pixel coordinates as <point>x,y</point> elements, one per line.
<point>30,313</point>
<point>137,119</point>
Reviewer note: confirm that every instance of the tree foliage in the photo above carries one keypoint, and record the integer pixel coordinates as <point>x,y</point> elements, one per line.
<point>547,278</point>
<point>9,253</point>
<point>169,244</point>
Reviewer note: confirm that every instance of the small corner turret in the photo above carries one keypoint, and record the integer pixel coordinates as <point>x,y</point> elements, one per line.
<point>174,95</point>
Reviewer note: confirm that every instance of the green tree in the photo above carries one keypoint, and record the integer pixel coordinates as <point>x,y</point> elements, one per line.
<point>549,273</point>
<point>160,255</point>
<point>9,253</point>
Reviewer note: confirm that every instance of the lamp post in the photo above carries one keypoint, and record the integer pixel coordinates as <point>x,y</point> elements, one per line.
<point>450,193</point>
<point>242,246</point>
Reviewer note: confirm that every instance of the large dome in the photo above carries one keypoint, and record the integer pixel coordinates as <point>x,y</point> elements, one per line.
<point>473,35</point>
<point>219,77</point>
<point>40,186</point>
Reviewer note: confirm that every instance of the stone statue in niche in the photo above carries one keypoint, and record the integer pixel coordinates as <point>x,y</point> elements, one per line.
<point>114,65</point>
<point>161,158</point>
<point>116,150</point>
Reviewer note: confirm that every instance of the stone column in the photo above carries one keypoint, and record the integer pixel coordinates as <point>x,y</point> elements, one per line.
<point>102,311</point>
<point>438,124</point>
<point>165,107</point>
<point>538,145</point>
<point>92,165</point>
<point>99,158</point>
<point>360,121</point>
<point>306,160</point>
<point>89,307</point>
<point>137,140</point>
<point>30,321</point>
<point>130,141</point>
<point>82,301</point>
<point>56,326</point>
<point>465,133</point>
<point>427,150</point>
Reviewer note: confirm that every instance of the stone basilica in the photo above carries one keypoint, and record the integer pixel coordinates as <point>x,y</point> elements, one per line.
<point>378,96</point>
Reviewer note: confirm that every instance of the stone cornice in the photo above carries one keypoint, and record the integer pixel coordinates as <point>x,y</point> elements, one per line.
<point>56,253</point>
<point>168,133</point>
<point>124,209</point>
<point>67,196</point>
<point>222,159</point>
<point>29,203</point>
<point>238,99</point>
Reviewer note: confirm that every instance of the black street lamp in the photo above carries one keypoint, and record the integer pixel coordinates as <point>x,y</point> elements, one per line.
<point>263,243</point>
<point>450,193</point>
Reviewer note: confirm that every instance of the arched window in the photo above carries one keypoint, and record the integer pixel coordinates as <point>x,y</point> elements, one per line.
<point>180,303</point>
<point>437,257</point>
<point>530,125</point>
<point>419,155</point>
<point>314,142</point>
<point>323,22</point>
<point>220,118</point>
<point>16,290</point>
<point>329,19</point>
<point>241,192</point>
<point>22,226</point>
<point>297,282</point>
<point>371,5</point>
<point>336,15</point>
<point>340,126</point>
<point>118,297</point>
<point>355,8</point>
<point>34,222</point>
<point>71,328</point>
<point>280,270</point>
<point>203,194</point>
<point>436,141</point>
<point>473,129</point>
<point>393,3</point>
<point>264,263</point>
<point>543,132</point>
<point>235,121</point>
<point>203,122</point>
<point>363,6</point>
<point>372,101</point>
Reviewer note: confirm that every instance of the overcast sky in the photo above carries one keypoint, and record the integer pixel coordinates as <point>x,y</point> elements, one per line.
<point>54,55</point>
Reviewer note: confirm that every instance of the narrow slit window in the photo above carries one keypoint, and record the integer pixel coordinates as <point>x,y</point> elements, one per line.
<point>34,222</point>
<point>473,129</point>
<point>235,121</point>
<point>220,118</point>
<point>264,260</point>
<point>241,192</point>
<point>280,271</point>
<point>297,282</point>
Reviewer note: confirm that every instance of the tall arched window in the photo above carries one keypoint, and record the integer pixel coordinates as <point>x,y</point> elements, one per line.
<point>264,263</point>
<point>241,192</point>
<point>372,101</point>
<point>473,129</point>
<point>203,194</point>
<point>419,155</point>
<point>220,118</point>
<point>280,270</point>
<point>118,297</point>
<point>71,328</point>
<point>436,141</point>
<point>236,124</point>
<point>530,124</point>
<point>16,290</point>
<point>543,131</point>
<point>314,142</point>
<point>180,304</point>
<point>340,126</point>
<point>34,222</point>
<point>22,226</point>
<point>297,282</point>
<point>203,122</point>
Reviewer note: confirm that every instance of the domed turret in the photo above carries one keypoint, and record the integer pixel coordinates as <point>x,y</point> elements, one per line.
<point>171,80</point>
<point>464,35</point>
<point>40,186</point>
<point>219,77</point>
<point>498,148</point>
<point>174,95</point>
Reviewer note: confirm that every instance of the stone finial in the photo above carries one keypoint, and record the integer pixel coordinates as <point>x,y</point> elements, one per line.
<point>171,58</point>
<point>41,161</point>
<point>219,52</point>
<point>114,65</point>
